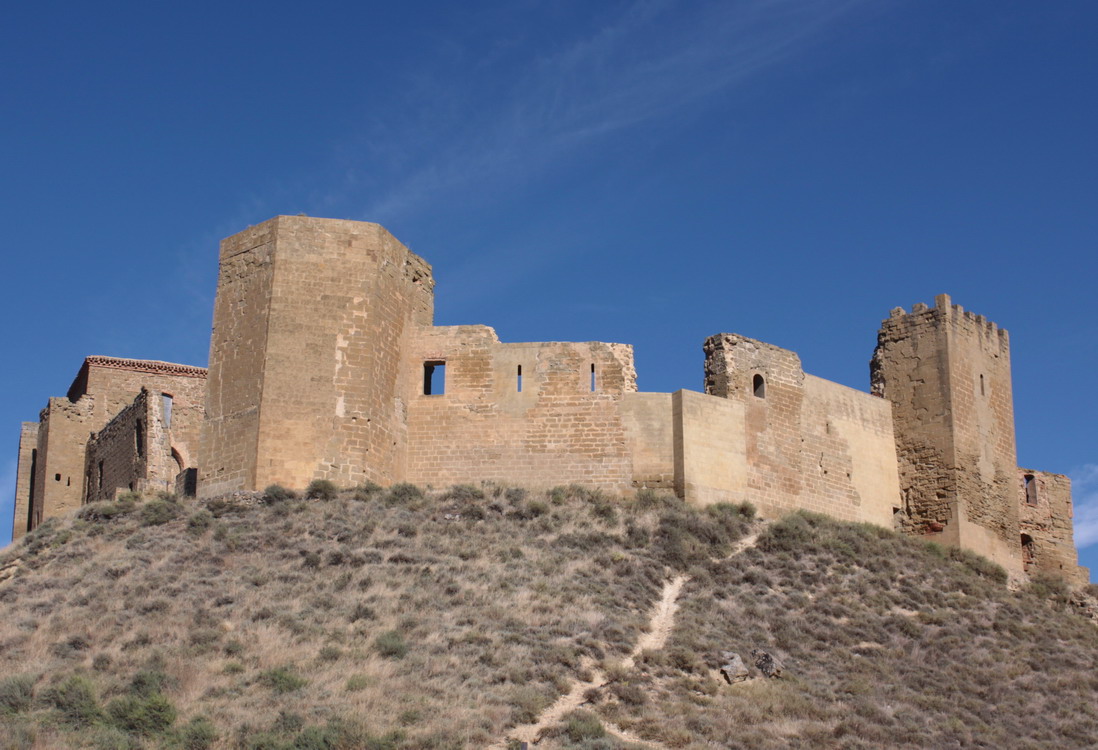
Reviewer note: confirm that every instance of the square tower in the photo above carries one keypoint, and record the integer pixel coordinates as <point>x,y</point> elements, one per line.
<point>947,373</point>
<point>309,324</point>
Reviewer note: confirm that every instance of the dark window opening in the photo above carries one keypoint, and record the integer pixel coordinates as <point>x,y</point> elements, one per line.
<point>982,392</point>
<point>1028,552</point>
<point>520,378</point>
<point>57,477</point>
<point>139,438</point>
<point>1031,489</point>
<point>100,481</point>
<point>592,377</point>
<point>30,500</point>
<point>758,386</point>
<point>434,378</point>
<point>68,481</point>
<point>167,400</point>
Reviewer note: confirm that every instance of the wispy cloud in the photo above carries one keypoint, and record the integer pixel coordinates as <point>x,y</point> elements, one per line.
<point>652,61</point>
<point>1084,490</point>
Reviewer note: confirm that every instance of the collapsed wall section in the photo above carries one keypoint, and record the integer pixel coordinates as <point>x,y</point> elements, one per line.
<point>537,414</point>
<point>1046,530</point>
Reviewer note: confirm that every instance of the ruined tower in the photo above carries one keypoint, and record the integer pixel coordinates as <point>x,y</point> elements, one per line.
<point>309,323</point>
<point>947,373</point>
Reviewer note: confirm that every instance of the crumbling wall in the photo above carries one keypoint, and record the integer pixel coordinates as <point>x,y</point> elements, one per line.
<point>133,451</point>
<point>24,478</point>
<point>63,431</point>
<point>947,375</point>
<point>309,324</point>
<point>808,443</point>
<point>1046,531</point>
<point>557,429</point>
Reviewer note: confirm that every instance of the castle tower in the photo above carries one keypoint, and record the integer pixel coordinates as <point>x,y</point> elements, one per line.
<point>947,374</point>
<point>305,354</point>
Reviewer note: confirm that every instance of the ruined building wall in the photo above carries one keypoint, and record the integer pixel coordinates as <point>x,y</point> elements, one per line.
<point>947,375</point>
<point>309,325</point>
<point>63,432</point>
<point>133,451</point>
<point>563,425</point>
<point>24,478</point>
<point>807,443</point>
<point>1047,535</point>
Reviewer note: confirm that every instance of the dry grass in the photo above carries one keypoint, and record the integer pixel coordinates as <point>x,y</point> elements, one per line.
<point>401,619</point>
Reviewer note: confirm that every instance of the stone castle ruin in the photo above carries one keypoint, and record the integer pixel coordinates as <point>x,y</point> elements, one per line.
<point>325,364</point>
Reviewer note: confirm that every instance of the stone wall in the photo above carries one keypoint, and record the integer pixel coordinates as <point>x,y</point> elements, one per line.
<point>561,425</point>
<point>806,442</point>
<point>1047,537</point>
<point>947,374</point>
<point>305,360</point>
<point>650,438</point>
<point>24,479</point>
<point>63,431</point>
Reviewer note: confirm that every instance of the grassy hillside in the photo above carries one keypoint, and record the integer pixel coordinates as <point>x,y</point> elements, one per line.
<point>390,619</point>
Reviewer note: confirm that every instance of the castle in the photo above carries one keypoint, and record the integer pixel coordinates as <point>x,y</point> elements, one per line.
<point>325,364</point>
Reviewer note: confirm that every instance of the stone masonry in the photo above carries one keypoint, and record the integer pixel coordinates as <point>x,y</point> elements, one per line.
<point>325,364</point>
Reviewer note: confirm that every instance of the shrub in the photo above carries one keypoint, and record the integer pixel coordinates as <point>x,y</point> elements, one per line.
<point>105,511</point>
<point>368,491</point>
<point>146,715</point>
<point>276,493</point>
<point>199,734</point>
<point>648,499</point>
<point>391,645</point>
<point>357,682</point>
<point>583,725</point>
<point>282,680</point>
<point>158,512</point>
<point>403,493</point>
<point>75,699</point>
<point>199,522</point>
<point>464,493</point>
<point>330,653</point>
<point>321,489</point>
<point>16,693</point>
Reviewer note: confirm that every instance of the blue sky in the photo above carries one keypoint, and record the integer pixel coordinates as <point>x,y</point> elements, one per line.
<point>645,172</point>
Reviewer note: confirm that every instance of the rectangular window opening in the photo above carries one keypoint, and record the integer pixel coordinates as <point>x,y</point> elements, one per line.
<point>434,378</point>
<point>592,377</point>
<point>167,400</point>
<point>520,378</point>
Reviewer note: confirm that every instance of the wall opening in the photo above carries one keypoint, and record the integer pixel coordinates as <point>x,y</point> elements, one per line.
<point>520,378</point>
<point>982,392</point>
<point>758,386</point>
<point>434,378</point>
<point>139,438</point>
<point>167,401</point>
<point>1031,489</point>
<point>592,377</point>
<point>99,481</point>
<point>1028,552</point>
<point>57,477</point>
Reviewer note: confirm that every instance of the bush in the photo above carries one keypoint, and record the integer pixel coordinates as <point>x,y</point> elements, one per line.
<point>391,645</point>
<point>282,680</point>
<point>16,693</point>
<point>199,522</point>
<point>403,493</point>
<point>159,512</point>
<point>648,499</point>
<point>75,699</point>
<point>199,734</point>
<point>105,511</point>
<point>583,725</point>
<point>368,491</point>
<point>321,489</point>
<point>145,715</point>
<point>276,493</point>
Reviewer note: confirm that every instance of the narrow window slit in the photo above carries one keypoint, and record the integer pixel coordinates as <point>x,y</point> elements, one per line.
<point>1031,489</point>
<point>758,386</point>
<point>520,378</point>
<point>592,377</point>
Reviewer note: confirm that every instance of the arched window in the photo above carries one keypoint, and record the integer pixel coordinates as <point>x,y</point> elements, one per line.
<point>1028,552</point>
<point>758,386</point>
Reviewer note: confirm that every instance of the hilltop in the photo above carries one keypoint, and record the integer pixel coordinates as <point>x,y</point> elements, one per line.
<point>396,618</point>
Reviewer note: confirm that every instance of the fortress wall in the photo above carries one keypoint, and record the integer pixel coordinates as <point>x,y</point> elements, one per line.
<point>849,456</point>
<point>711,464</point>
<point>650,438</point>
<point>346,298</point>
<point>230,432</point>
<point>63,432</point>
<point>555,430</point>
<point>1047,535</point>
<point>24,478</point>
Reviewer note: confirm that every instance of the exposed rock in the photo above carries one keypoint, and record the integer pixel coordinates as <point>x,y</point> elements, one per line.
<point>733,670</point>
<point>767,663</point>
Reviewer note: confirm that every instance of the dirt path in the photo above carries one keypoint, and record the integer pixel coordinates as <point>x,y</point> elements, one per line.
<point>660,625</point>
